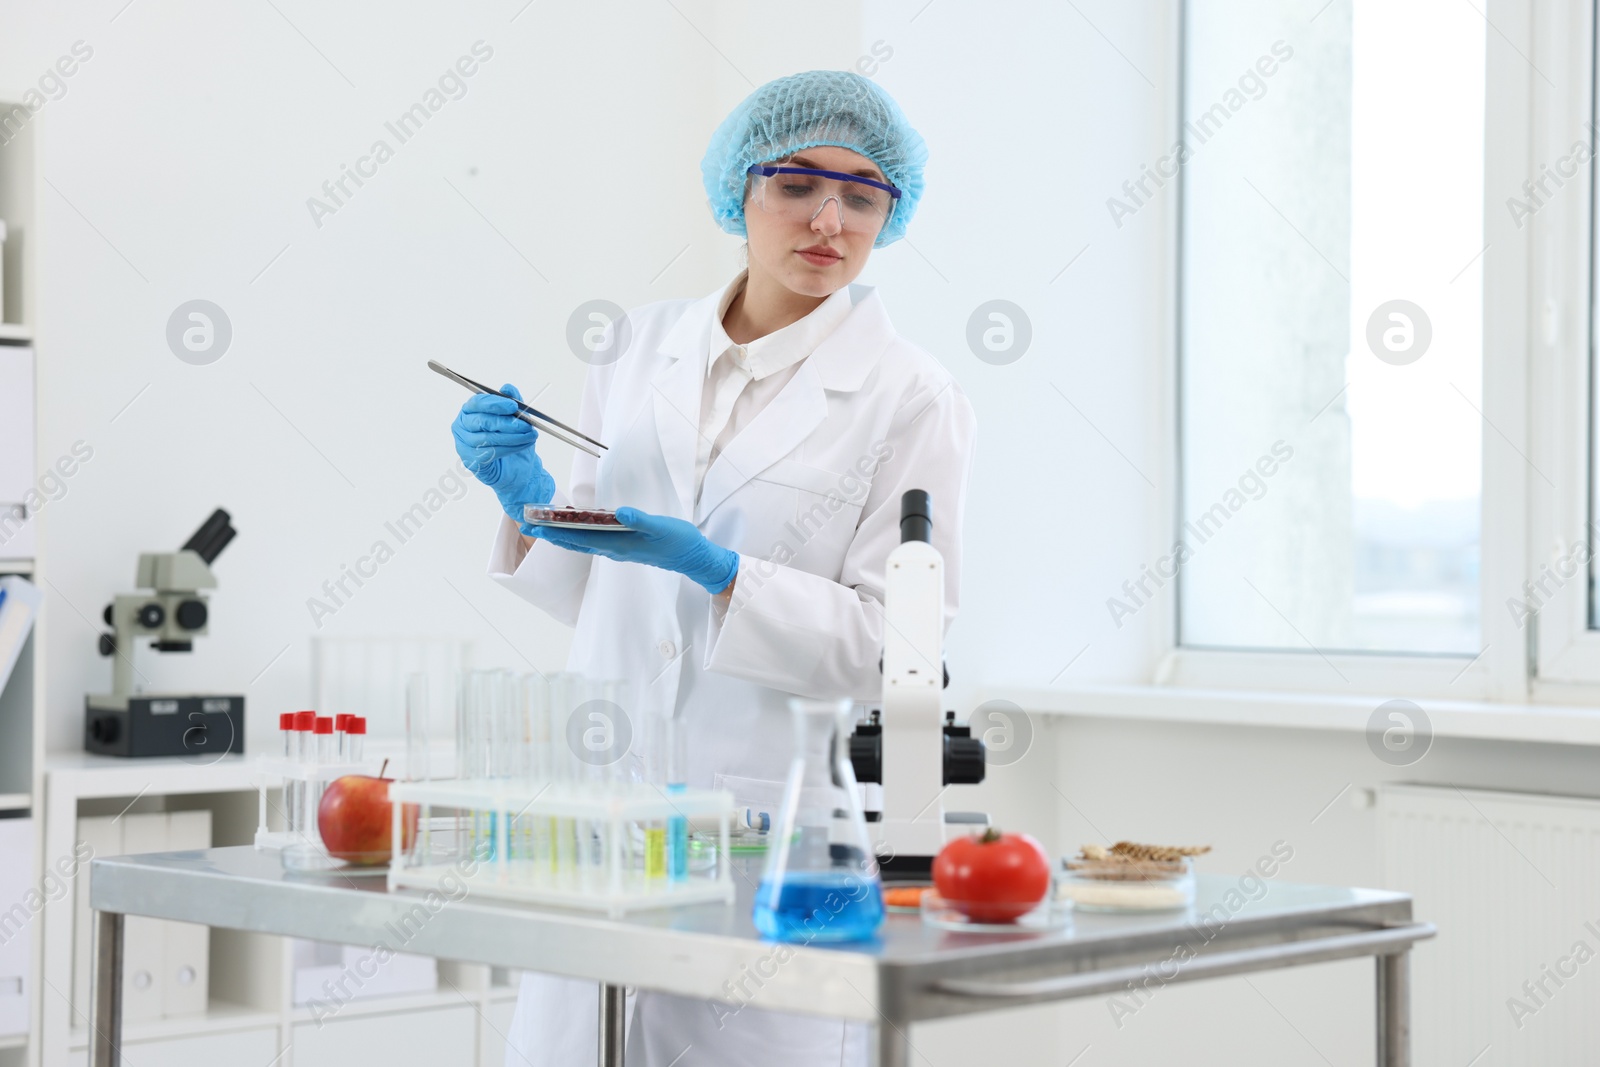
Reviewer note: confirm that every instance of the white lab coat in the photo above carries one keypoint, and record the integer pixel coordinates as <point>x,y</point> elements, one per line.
<point>808,494</point>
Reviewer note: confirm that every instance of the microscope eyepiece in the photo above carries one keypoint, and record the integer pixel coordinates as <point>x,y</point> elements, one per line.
<point>212,537</point>
<point>916,516</point>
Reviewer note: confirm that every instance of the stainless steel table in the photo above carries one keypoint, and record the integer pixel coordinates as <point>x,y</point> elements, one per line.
<point>913,972</point>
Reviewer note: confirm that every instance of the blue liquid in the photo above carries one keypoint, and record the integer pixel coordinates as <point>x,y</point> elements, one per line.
<point>677,840</point>
<point>820,906</point>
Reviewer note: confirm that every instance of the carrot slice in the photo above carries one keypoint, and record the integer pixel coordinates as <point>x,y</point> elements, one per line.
<point>904,896</point>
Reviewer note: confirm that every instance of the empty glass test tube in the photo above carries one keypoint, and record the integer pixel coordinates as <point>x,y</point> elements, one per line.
<point>418,757</point>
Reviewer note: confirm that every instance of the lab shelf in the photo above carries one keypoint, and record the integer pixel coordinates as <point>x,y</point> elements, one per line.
<point>23,713</point>
<point>220,1018</point>
<point>86,774</point>
<point>399,1004</point>
<point>244,983</point>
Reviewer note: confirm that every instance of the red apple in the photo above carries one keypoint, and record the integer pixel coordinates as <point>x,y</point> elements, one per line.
<point>355,820</point>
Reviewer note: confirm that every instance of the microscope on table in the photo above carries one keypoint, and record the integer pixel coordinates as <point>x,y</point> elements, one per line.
<point>171,614</point>
<point>909,752</point>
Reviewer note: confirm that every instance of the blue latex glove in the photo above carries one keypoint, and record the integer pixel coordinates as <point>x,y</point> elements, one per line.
<point>671,544</point>
<point>497,447</point>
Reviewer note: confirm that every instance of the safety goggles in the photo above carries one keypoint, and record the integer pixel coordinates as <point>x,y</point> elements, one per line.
<point>801,194</point>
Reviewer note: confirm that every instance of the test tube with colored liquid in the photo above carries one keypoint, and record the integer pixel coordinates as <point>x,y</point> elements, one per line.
<point>612,771</point>
<point>590,737</point>
<point>480,711</point>
<point>565,695</point>
<point>533,831</point>
<point>655,830</point>
<point>508,756</point>
<point>677,783</point>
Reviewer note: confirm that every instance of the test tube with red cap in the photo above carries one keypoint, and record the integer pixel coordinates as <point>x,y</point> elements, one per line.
<point>324,753</point>
<point>355,738</point>
<point>291,741</point>
<point>300,749</point>
<point>341,730</point>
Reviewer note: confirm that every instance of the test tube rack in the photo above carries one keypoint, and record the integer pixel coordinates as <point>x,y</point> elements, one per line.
<point>607,815</point>
<point>273,772</point>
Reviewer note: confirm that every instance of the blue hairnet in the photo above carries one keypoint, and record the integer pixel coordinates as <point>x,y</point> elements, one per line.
<point>817,107</point>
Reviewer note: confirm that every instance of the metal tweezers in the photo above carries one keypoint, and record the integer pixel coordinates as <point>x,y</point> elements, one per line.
<point>530,415</point>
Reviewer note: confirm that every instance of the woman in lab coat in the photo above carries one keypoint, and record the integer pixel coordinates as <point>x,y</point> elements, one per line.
<point>760,440</point>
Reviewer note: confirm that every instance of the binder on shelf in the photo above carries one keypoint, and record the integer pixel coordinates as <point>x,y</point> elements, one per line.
<point>186,973</point>
<point>166,964</point>
<point>17,918</point>
<point>18,536</point>
<point>103,835</point>
<point>143,938</point>
<point>18,608</point>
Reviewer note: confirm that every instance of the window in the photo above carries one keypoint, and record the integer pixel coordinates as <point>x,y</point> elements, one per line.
<point>1330,328</point>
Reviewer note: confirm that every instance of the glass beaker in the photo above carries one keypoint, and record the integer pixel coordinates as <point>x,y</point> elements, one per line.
<point>821,877</point>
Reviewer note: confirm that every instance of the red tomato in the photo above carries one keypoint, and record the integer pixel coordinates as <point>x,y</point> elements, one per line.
<point>993,877</point>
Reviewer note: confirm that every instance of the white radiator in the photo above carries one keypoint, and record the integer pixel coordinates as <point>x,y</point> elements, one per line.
<point>1512,880</point>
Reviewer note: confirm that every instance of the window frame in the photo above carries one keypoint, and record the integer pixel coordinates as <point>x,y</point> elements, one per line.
<point>1520,110</point>
<point>1566,652</point>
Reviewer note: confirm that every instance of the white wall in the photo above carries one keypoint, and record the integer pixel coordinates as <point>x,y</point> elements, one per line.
<point>182,158</point>
<point>1034,120</point>
<point>189,144</point>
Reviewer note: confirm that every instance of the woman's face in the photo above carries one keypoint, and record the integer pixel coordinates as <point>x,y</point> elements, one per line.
<point>776,243</point>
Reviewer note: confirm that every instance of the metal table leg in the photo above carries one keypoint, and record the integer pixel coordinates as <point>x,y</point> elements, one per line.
<point>1394,1010</point>
<point>613,1024</point>
<point>105,1007</point>
<point>893,1045</point>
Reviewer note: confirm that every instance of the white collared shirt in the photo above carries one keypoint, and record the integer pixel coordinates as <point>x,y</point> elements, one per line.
<point>741,380</point>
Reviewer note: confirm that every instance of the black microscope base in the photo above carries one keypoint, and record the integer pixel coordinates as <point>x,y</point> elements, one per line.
<point>202,728</point>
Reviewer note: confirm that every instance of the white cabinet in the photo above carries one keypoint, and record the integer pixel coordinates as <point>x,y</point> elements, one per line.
<point>248,1047</point>
<point>249,1016</point>
<point>166,964</point>
<point>98,836</point>
<point>333,973</point>
<point>21,899</point>
<point>493,1029</point>
<point>143,938</point>
<point>439,1035</point>
<point>186,954</point>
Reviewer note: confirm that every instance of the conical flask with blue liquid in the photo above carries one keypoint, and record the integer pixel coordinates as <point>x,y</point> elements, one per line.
<point>821,879</point>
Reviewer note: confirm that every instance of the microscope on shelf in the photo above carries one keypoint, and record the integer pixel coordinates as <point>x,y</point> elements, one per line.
<point>910,751</point>
<point>171,614</point>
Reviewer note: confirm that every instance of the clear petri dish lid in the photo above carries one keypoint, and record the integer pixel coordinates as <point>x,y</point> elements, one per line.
<point>571,518</point>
